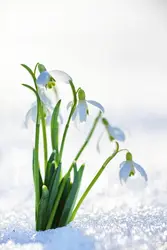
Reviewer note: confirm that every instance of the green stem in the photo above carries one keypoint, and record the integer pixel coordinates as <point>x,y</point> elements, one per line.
<point>41,109</point>
<point>37,186</point>
<point>35,69</point>
<point>124,149</point>
<point>69,119</point>
<point>94,180</point>
<point>89,136</point>
<point>45,148</point>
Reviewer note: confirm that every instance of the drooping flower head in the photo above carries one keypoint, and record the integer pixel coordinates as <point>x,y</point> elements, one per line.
<point>114,133</point>
<point>82,110</point>
<point>49,78</point>
<point>129,168</point>
<point>47,105</point>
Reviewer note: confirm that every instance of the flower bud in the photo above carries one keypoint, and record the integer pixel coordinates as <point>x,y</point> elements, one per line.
<point>129,156</point>
<point>41,68</point>
<point>81,95</point>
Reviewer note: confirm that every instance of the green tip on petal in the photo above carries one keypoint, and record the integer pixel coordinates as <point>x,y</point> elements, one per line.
<point>81,95</point>
<point>50,85</point>
<point>129,156</point>
<point>132,173</point>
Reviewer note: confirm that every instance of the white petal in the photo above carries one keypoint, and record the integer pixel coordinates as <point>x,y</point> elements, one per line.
<point>34,113</point>
<point>121,164</point>
<point>75,113</point>
<point>125,169</point>
<point>82,109</point>
<point>44,98</point>
<point>31,115</point>
<point>141,171</point>
<point>98,142</point>
<point>116,133</point>
<point>69,105</point>
<point>60,76</point>
<point>48,118</point>
<point>96,104</point>
<point>43,79</point>
<point>27,118</point>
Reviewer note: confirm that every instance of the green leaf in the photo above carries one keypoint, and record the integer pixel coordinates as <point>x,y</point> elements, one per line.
<point>75,168</point>
<point>54,170</point>
<point>50,168</point>
<point>56,203</point>
<point>54,189</point>
<point>37,180</point>
<point>30,72</point>
<point>42,219</point>
<point>72,197</point>
<point>33,90</point>
<point>55,127</point>
<point>62,202</point>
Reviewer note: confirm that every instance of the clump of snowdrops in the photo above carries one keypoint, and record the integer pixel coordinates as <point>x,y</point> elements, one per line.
<point>56,193</point>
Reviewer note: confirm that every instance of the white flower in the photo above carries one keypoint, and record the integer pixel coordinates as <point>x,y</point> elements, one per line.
<point>82,107</point>
<point>129,168</point>
<point>59,76</point>
<point>32,114</point>
<point>48,108</point>
<point>114,133</point>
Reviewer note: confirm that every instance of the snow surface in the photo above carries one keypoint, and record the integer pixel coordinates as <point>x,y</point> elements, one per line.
<point>112,217</point>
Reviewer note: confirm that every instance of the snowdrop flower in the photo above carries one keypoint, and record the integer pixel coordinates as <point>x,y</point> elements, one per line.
<point>129,168</point>
<point>114,133</point>
<point>32,114</point>
<point>48,108</point>
<point>82,107</point>
<point>46,78</point>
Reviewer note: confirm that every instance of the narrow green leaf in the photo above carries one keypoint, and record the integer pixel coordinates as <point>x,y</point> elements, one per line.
<point>60,191</point>
<point>72,197</point>
<point>32,89</point>
<point>50,168</point>
<point>30,71</point>
<point>42,219</point>
<point>37,181</point>
<point>62,201</point>
<point>54,189</point>
<point>54,170</point>
<point>75,168</point>
<point>55,127</point>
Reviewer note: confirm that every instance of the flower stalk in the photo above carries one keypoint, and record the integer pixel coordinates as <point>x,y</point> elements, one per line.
<point>69,119</point>
<point>94,181</point>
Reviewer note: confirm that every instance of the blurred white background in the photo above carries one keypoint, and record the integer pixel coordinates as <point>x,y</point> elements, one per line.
<point>115,50</point>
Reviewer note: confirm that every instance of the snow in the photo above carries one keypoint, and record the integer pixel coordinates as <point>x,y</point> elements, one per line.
<point>133,216</point>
